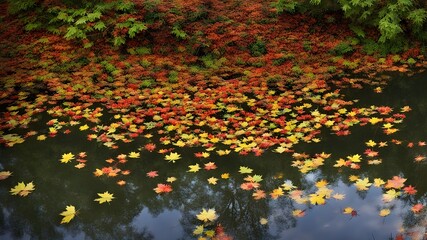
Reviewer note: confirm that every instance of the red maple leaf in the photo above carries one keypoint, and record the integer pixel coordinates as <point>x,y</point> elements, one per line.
<point>163,188</point>
<point>410,190</point>
<point>152,174</point>
<point>150,147</point>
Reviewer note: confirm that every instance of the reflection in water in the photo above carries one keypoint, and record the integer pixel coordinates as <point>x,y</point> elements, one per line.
<point>137,212</point>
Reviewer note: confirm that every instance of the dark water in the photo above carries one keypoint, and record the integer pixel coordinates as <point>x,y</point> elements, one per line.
<point>137,212</point>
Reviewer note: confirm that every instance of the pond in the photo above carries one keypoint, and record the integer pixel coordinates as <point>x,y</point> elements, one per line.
<point>330,189</point>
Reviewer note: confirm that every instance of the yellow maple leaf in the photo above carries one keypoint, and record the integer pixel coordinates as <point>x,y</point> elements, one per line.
<point>194,168</point>
<point>354,158</point>
<point>390,195</point>
<point>353,178</point>
<point>317,199</point>
<point>84,127</point>
<point>384,212</point>
<point>199,230</point>
<point>207,215</point>
<point>321,183</point>
<point>134,155</point>
<point>104,197</point>
<point>68,214</point>
<point>378,182</point>
<point>340,162</point>
<point>66,157</point>
<point>171,179</point>
<point>172,157</point>
<point>362,184</point>
<point>41,137</point>
<point>225,175</point>
<point>22,189</point>
<point>348,210</point>
<point>298,213</point>
<point>212,180</point>
<point>263,221</point>
<point>370,143</point>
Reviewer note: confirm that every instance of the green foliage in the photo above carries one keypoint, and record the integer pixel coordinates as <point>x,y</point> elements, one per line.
<point>178,32</point>
<point>173,76</point>
<point>209,61</point>
<point>394,19</point>
<point>21,5</point>
<point>258,48</point>
<point>342,49</point>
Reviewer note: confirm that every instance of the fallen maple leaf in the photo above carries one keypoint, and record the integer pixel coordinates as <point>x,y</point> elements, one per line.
<point>22,189</point>
<point>362,184</point>
<point>194,168</point>
<point>163,188</point>
<point>410,190</point>
<point>263,221</point>
<point>396,182</point>
<point>5,174</point>
<point>212,180</point>
<point>207,215</point>
<point>66,157</point>
<point>298,213</point>
<point>259,194</point>
<point>210,166</point>
<point>68,214</point>
<point>171,179</point>
<point>134,155</point>
<point>417,208</point>
<point>152,174</point>
<point>104,197</point>
<point>244,170</point>
<point>384,212</point>
<point>172,157</point>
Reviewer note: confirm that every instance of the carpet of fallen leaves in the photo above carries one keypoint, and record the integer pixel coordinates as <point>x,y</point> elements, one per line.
<point>235,103</point>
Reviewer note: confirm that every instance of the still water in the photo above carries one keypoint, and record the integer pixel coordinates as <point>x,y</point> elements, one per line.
<point>137,212</point>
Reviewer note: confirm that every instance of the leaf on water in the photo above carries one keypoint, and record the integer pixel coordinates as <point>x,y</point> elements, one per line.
<point>152,174</point>
<point>210,166</point>
<point>172,157</point>
<point>171,179</point>
<point>163,188</point>
<point>198,230</point>
<point>66,157</point>
<point>5,174</point>
<point>225,175</point>
<point>212,180</point>
<point>68,214</point>
<point>22,189</point>
<point>244,170</point>
<point>84,127</point>
<point>384,212</point>
<point>104,197</point>
<point>194,168</point>
<point>362,184</point>
<point>396,182</point>
<point>134,155</point>
<point>207,215</point>
<point>263,221</point>
<point>417,208</point>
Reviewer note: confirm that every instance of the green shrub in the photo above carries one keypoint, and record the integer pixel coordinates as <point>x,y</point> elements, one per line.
<point>393,19</point>
<point>342,49</point>
<point>258,48</point>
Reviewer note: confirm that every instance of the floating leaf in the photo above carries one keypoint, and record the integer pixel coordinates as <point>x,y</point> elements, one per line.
<point>172,157</point>
<point>104,197</point>
<point>22,189</point>
<point>66,157</point>
<point>207,215</point>
<point>68,214</point>
<point>244,170</point>
<point>5,174</point>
